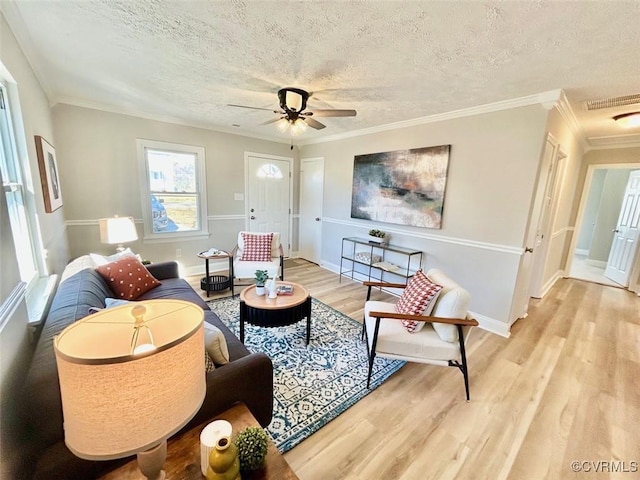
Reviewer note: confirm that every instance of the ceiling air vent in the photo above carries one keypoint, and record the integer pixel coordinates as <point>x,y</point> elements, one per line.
<point>613,102</point>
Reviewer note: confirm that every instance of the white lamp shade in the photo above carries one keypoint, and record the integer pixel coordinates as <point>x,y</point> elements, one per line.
<point>117,230</point>
<point>115,403</point>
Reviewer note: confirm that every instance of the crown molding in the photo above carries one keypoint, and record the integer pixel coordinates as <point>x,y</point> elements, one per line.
<point>613,141</point>
<point>75,102</point>
<point>550,97</point>
<point>564,108</point>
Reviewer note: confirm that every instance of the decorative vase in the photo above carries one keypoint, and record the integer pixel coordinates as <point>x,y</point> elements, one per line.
<point>223,461</point>
<point>260,290</point>
<point>272,288</point>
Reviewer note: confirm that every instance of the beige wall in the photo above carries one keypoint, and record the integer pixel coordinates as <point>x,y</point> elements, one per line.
<point>36,120</point>
<point>492,171</point>
<point>99,172</point>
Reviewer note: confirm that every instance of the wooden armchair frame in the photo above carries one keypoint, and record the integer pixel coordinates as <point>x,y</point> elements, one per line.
<point>458,322</point>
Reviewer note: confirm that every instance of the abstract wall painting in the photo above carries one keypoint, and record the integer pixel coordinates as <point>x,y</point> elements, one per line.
<point>405,187</point>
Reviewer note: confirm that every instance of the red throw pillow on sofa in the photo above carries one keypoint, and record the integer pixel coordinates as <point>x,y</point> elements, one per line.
<point>127,278</point>
<point>419,294</point>
<point>256,247</point>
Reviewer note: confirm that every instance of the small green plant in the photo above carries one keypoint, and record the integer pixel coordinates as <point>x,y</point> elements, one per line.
<point>377,233</point>
<point>252,448</point>
<point>261,277</point>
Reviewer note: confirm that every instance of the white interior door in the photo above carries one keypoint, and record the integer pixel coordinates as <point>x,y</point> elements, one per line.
<point>545,224</point>
<point>269,196</point>
<point>625,238</point>
<point>520,305</point>
<point>311,195</point>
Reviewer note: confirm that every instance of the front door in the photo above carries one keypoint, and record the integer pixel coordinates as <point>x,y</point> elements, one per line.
<point>625,235</point>
<point>311,191</point>
<point>269,195</point>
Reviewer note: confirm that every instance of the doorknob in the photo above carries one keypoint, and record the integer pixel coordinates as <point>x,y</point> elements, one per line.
<point>317,219</point>
<point>252,217</point>
<point>528,250</point>
<point>615,230</point>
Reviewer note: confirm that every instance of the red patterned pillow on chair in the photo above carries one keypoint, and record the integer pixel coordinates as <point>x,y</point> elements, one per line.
<point>127,278</point>
<point>418,298</point>
<point>256,247</point>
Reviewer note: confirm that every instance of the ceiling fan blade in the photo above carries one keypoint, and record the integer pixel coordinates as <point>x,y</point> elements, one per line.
<point>252,108</point>
<point>274,120</point>
<point>333,113</point>
<point>313,123</point>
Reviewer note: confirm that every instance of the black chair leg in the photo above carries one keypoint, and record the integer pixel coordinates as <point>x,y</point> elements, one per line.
<point>463,355</point>
<point>372,351</point>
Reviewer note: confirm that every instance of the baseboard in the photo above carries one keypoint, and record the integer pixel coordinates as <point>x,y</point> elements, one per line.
<point>552,281</point>
<point>214,267</point>
<point>492,325</point>
<point>581,251</point>
<point>596,263</point>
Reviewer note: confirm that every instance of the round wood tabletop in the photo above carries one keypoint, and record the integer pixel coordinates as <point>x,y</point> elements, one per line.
<point>299,295</point>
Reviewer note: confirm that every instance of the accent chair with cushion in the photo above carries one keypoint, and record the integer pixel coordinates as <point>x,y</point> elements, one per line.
<point>257,251</point>
<point>430,323</point>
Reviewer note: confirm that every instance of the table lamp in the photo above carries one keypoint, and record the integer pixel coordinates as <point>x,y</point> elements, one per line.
<point>131,377</point>
<point>117,231</point>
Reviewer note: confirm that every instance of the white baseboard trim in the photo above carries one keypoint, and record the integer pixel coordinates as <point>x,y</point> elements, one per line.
<point>492,325</point>
<point>596,263</point>
<point>215,266</point>
<point>551,282</point>
<point>581,251</point>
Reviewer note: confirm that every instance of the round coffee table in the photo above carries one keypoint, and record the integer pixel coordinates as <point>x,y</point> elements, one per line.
<point>283,310</point>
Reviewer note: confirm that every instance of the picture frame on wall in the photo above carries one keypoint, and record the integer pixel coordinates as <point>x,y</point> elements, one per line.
<point>405,187</point>
<point>49,177</point>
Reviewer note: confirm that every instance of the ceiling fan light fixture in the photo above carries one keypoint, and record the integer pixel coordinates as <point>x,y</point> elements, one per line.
<point>298,126</point>
<point>628,120</point>
<point>283,124</point>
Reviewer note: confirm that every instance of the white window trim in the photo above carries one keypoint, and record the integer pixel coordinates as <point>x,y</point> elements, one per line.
<point>149,236</point>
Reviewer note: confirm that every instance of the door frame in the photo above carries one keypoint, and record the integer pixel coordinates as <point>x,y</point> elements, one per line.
<point>289,184</point>
<point>302,161</point>
<point>634,286</point>
<point>555,182</point>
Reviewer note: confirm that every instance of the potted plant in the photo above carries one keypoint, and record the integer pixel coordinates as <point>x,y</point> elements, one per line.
<point>377,236</point>
<point>252,448</point>
<point>261,277</point>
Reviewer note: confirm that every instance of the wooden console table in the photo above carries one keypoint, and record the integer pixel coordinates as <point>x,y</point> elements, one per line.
<point>183,454</point>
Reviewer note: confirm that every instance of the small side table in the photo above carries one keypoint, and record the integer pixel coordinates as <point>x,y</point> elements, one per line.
<point>183,454</point>
<point>216,283</point>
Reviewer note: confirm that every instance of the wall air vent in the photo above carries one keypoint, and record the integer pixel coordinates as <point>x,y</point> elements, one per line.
<point>613,102</point>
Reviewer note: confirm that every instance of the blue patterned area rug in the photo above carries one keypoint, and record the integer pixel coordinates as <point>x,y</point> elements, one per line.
<point>314,384</point>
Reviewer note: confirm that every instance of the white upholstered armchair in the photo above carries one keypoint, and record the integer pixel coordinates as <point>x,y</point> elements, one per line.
<point>257,251</point>
<point>440,332</point>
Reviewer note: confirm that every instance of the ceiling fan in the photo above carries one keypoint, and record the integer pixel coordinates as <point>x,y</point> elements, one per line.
<point>293,113</point>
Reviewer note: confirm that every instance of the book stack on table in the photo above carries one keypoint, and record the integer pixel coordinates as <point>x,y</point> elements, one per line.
<point>284,290</point>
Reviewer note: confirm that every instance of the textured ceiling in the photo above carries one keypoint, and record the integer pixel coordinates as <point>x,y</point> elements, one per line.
<point>391,61</point>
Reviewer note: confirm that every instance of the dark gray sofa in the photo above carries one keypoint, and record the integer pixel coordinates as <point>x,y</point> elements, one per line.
<point>248,377</point>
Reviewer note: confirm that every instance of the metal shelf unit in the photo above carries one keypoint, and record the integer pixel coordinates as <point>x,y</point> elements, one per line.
<point>407,260</point>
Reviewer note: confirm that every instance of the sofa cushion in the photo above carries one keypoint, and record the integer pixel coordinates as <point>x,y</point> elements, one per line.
<point>128,278</point>
<point>216,344</point>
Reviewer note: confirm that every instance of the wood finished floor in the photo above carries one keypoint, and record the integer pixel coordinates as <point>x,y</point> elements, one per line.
<point>564,387</point>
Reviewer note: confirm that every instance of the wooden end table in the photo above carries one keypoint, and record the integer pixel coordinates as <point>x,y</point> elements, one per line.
<point>183,454</point>
<point>216,283</point>
<point>283,310</point>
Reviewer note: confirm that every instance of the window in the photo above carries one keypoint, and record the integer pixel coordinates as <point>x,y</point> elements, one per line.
<point>269,170</point>
<point>174,202</point>
<point>14,184</point>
